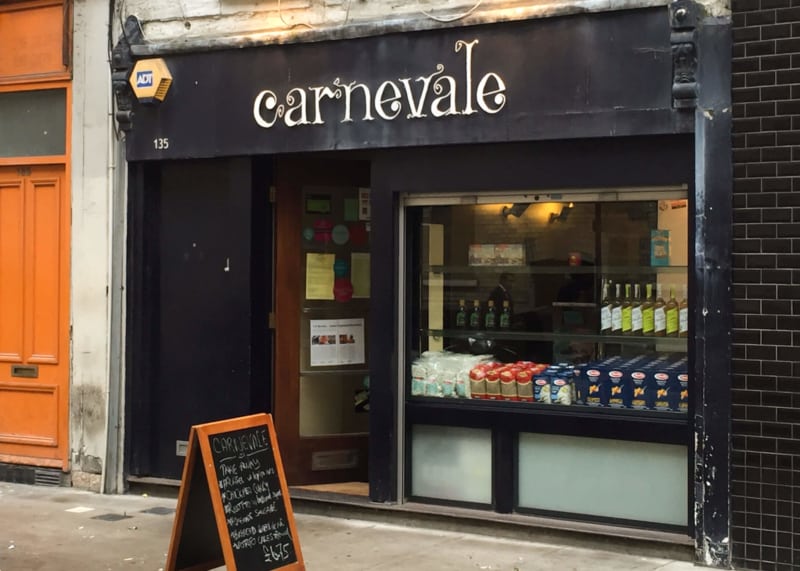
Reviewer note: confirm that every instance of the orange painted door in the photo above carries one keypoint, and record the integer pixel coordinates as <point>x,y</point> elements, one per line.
<point>34,316</point>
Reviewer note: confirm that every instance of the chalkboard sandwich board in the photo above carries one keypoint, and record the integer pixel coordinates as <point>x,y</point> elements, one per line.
<point>234,508</point>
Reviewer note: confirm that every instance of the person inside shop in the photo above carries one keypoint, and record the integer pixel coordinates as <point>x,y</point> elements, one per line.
<point>502,292</point>
<point>577,287</point>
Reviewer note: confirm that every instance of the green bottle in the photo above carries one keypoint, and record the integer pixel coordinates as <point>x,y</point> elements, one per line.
<point>627,307</point>
<point>648,313</point>
<point>605,310</point>
<point>616,312</point>
<point>475,315</point>
<point>672,314</point>
<point>461,315</point>
<point>505,317</point>
<point>490,320</point>
<point>637,316</point>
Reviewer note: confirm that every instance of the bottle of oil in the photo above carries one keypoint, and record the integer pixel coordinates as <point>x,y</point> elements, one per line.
<point>616,312</point>
<point>490,319</point>
<point>505,317</point>
<point>659,315</point>
<point>475,315</point>
<point>683,315</point>
<point>605,310</point>
<point>627,306</point>
<point>648,324</point>
<point>461,315</point>
<point>636,311</point>
<point>671,310</point>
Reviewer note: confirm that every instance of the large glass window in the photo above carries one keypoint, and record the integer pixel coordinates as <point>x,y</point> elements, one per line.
<point>575,299</point>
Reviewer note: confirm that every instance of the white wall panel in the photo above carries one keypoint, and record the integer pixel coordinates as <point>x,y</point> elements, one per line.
<point>451,463</point>
<point>638,481</point>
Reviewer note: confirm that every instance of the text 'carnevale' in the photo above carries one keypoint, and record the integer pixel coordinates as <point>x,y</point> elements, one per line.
<point>437,95</point>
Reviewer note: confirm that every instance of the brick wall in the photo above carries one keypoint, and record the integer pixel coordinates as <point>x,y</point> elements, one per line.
<point>766,275</point>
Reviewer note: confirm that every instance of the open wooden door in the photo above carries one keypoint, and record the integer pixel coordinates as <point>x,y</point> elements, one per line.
<point>321,318</point>
<point>34,316</point>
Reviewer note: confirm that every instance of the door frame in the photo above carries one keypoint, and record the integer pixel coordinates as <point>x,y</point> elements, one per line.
<point>291,175</point>
<point>54,81</point>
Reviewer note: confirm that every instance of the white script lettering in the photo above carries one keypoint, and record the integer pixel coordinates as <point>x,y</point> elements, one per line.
<point>450,96</point>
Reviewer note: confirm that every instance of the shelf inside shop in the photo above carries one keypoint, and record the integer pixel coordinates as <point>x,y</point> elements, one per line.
<point>664,427</point>
<point>552,408</point>
<point>534,270</point>
<point>674,344</point>
<point>575,410</point>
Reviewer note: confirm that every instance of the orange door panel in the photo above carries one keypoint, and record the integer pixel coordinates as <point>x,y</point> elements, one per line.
<point>34,316</point>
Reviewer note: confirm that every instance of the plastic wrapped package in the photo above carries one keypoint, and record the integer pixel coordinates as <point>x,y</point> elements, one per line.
<point>443,374</point>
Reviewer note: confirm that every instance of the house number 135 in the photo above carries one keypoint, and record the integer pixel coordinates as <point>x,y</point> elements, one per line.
<point>161,143</point>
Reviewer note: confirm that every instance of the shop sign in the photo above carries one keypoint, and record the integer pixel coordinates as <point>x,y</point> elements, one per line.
<point>556,78</point>
<point>437,94</point>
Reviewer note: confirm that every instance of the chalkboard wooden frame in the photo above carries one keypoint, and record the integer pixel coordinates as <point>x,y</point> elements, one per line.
<point>201,536</point>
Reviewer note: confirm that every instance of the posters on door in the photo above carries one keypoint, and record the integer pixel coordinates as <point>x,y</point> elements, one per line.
<point>337,342</point>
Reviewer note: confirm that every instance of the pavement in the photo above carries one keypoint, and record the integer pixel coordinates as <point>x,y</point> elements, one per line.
<point>62,529</point>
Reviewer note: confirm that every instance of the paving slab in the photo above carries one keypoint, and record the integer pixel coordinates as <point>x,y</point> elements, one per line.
<point>62,529</point>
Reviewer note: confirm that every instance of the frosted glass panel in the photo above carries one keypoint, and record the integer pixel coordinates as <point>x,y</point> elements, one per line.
<point>450,463</point>
<point>630,480</point>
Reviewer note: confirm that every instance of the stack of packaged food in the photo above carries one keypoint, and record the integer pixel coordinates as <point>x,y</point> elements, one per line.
<point>644,382</point>
<point>452,375</point>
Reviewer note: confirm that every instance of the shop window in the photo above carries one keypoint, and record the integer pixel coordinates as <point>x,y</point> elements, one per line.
<point>558,300</point>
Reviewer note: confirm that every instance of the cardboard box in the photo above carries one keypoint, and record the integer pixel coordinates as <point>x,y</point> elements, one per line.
<point>659,247</point>
<point>683,400</point>
<point>562,391</point>
<point>541,388</point>
<point>643,384</point>
<point>621,381</point>
<point>678,391</point>
<point>598,391</point>
<point>665,378</point>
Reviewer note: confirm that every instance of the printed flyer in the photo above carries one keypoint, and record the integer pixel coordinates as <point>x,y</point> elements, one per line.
<point>336,342</point>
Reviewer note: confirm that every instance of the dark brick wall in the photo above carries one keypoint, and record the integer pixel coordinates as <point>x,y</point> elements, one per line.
<point>766,289</point>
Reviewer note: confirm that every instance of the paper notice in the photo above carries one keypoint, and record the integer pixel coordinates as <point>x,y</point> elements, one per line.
<point>319,276</point>
<point>336,342</point>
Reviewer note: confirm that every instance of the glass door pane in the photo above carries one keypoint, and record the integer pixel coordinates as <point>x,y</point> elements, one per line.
<point>334,314</point>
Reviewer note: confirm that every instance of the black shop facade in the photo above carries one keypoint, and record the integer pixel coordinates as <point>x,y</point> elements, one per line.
<point>480,267</point>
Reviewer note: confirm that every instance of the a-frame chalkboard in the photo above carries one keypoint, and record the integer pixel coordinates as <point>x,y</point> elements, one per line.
<point>234,507</point>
